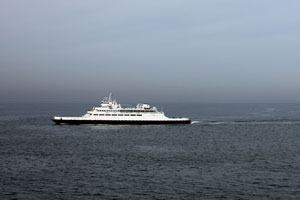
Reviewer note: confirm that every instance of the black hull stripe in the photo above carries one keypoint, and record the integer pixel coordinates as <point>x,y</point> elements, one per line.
<point>78,122</point>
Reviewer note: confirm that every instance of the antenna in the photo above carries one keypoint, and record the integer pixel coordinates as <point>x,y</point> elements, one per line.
<point>109,98</point>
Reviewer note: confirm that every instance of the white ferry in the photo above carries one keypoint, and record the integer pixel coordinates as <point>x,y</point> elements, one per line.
<point>110,112</point>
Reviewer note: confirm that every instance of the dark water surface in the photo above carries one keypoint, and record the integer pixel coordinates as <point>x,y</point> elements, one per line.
<point>233,151</point>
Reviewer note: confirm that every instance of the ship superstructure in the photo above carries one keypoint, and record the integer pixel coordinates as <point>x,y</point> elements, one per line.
<point>110,112</point>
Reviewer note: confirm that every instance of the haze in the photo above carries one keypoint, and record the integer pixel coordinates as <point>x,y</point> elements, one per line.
<point>170,50</point>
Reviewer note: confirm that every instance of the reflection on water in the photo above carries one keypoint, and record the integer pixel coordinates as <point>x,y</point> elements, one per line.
<point>107,127</point>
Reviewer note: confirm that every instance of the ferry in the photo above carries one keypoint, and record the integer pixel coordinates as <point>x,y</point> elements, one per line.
<point>110,112</point>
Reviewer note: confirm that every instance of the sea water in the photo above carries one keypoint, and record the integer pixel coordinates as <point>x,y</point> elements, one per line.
<point>233,151</point>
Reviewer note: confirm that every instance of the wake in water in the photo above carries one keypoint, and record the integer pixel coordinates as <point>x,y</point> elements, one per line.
<point>248,122</point>
<point>196,122</point>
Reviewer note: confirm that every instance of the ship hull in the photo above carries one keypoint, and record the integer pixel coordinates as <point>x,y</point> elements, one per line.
<point>122,122</point>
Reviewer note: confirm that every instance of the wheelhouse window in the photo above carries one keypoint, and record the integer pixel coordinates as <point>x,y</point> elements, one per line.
<point>107,114</point>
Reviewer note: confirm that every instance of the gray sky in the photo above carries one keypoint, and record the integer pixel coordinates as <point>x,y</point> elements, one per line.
<point>160,50</point>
